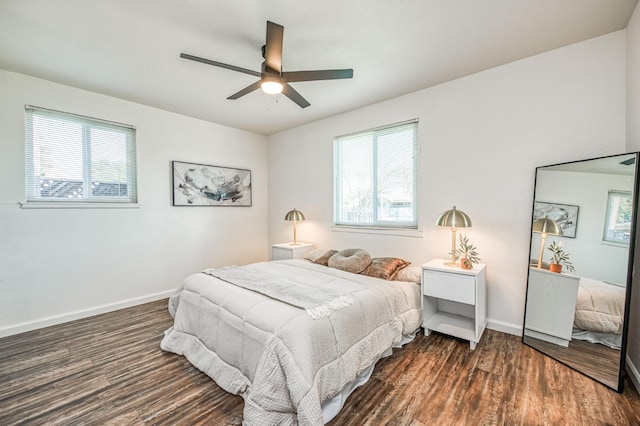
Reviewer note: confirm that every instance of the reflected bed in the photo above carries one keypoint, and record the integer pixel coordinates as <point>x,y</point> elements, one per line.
<point>599,314</point>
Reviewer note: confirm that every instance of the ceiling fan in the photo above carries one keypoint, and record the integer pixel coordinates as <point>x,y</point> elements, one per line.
<point>272,79</point>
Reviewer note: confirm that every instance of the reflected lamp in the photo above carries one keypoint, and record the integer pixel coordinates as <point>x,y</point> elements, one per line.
<point>545,226</point>
<point>295,216</point>
<point>453,219</point>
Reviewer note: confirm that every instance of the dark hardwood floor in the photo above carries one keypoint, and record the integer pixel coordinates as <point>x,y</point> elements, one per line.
<point>598,361</point>
<point>109,369</point>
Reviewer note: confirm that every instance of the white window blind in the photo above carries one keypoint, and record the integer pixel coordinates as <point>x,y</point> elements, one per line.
<point>376,174</point>
<point>76,159</point>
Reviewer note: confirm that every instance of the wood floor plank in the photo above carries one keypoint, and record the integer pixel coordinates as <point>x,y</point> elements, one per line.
<point>26,409</point>
<point>110,370</point>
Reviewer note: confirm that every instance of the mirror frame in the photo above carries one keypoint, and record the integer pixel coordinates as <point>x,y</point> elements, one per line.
<point>629,279</point>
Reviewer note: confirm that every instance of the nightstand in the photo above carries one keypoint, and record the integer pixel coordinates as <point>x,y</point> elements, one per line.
<point>454,300</point>
<point>290,251</point>
<point>551,306</point>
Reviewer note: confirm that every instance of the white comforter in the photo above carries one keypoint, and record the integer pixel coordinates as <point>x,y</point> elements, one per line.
<point>283,362</point>
<point>600,307</point>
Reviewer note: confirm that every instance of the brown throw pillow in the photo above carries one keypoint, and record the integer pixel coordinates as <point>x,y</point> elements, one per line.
<point>324,259</point>
<point>385,267</point>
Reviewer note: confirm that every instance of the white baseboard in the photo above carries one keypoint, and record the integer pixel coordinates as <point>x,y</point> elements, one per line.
<point>504,327</point>
<point>633,373</point>
<point>71,316</point>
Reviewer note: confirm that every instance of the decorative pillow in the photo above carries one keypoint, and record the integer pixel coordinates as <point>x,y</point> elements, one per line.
<point>385,267</point>
<point>315,254</point>
<point>410,274</point>
<point>350,260</point>
<point>324,259</point>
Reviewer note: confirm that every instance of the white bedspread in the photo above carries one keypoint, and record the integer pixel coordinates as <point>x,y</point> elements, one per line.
<point>600,307</point>
<point>283,362</point>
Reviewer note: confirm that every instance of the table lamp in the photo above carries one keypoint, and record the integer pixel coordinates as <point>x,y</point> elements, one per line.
<point>295,216</point>
<point>453,219</point>
<point>545,226</point>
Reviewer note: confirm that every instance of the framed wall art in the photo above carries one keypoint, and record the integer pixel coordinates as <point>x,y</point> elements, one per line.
<point>564,214</point>
<point>204,185</point>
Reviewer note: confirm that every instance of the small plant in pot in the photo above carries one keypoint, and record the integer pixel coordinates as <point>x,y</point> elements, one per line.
<point>467,253</point>
<point>559,258</point>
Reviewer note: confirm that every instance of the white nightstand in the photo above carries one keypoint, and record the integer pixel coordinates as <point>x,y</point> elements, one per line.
<point>290,251</point>
<point>454,300</point>
<point>551,306</point>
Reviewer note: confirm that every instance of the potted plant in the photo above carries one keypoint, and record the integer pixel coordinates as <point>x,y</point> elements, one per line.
<point>467,253</point>
<point>559,258</point>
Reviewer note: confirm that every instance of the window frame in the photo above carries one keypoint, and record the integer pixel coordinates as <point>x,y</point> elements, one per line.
<point>33,199</point>
<point>608,212</point>
<point>377,225</point>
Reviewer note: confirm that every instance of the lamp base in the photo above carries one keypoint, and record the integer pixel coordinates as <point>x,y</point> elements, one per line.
<point>451,263</point>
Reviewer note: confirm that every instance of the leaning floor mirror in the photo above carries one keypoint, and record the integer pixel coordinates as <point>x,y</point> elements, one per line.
<point>580,264</point>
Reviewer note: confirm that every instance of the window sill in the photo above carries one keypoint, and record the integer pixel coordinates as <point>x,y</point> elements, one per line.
<point>399,232</point>
<point>615,244</point>
<point>75,205</point>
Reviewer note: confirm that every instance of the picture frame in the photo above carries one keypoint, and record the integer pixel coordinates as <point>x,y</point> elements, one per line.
<point>565,215</point>
<point>196,184</point>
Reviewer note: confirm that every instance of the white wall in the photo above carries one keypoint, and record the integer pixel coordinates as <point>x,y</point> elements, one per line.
<point>61,264</point>
<point>481,138</point>
<point>589,191</point>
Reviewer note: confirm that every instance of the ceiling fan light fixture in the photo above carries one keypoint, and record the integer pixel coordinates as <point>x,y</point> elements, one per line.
<point>271,84</point>
<point>272,79</point>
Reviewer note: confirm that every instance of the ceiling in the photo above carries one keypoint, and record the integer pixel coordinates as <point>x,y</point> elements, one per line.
<point>130,49</point>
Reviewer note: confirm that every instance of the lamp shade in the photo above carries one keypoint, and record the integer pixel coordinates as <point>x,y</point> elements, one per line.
<point>546,226</point>
<point>294,215</point>
<point>454,219</point>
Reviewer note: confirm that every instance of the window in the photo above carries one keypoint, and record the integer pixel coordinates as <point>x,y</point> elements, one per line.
<point>376,177</point>
<point>617,228</point>
<point>75,159</point>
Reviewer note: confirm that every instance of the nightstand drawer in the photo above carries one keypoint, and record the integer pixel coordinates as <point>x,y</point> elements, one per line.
<point>456,287</point>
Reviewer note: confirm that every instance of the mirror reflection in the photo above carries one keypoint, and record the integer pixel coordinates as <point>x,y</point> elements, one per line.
<point>580,264</point>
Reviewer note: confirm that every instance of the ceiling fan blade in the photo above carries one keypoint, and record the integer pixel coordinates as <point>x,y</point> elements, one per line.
<point>296,97</point>
<point>246,90</point>
<point>293,76</point>
<point>219,64</point>
<point>629,161</point>
<point>273,47</point>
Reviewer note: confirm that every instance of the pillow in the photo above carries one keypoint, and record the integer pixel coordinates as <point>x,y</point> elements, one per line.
<point>315,254</point>
<point>324,259</point>
<point>385,267</point>
<point>410,274</point>
<point>350,260</point>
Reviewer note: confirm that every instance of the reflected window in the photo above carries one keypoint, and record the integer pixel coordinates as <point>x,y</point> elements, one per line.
<point>617,228</point>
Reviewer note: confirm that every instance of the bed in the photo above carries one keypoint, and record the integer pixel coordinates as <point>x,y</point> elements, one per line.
<point>599,313</point>
<point>293,360</point>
